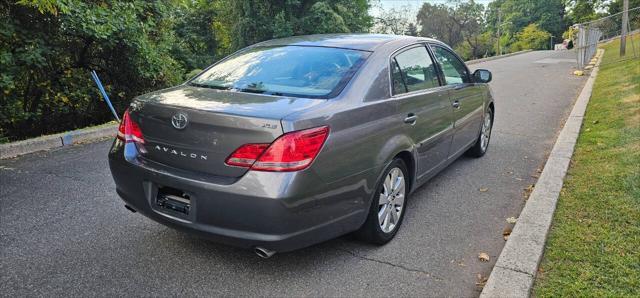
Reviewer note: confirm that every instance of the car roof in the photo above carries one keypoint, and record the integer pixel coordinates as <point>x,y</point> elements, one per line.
<point>365,42</point>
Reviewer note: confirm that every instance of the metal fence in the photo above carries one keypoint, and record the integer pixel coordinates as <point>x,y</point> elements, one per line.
<point>589,34</point>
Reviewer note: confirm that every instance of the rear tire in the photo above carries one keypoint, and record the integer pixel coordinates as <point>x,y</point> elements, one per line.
<point>482,142</point>
<point>387,206</point>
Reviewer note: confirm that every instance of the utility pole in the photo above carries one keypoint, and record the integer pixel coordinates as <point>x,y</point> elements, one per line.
<point>625,25</point>
<point>499,50</point>
<point>551,42</point>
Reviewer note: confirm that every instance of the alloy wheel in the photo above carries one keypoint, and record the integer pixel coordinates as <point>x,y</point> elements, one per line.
<point>391,200</point>
<point>486,132</point>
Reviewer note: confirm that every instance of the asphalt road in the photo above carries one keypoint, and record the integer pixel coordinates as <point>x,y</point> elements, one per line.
<point>65,232</point>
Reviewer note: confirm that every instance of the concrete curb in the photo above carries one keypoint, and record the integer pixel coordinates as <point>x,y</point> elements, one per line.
<point>496,57</point>
<point>14,149</point>
<point>515,271</point>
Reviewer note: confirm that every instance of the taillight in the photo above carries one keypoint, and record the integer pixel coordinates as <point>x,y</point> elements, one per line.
<point>129,131</point>
<point>246,155</point>
<point>292,151</point>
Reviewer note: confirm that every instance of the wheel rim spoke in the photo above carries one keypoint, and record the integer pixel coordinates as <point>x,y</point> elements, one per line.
<point>394,176</point>
<point>399,189</point>
<point>395,215</point>
<point>387,220</point>
<point>382,214</point>
<point>399,201</point>
<point>398,186</point>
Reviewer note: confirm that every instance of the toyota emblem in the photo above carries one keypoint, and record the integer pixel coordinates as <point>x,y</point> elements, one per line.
<point>179,120</point>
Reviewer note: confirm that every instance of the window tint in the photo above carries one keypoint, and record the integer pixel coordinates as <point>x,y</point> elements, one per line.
<point>285,70</point>
<point>454,70</point>
<point>417,70</point>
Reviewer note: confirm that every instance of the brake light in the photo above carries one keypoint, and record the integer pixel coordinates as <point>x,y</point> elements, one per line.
<point>246,155</point>
<point>129,131</point>
<point>292,151</point>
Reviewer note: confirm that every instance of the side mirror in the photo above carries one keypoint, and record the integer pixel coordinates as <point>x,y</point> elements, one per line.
<point>482,76</point>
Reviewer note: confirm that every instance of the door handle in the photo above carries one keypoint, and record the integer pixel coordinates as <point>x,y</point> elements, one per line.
<point>411,119</point>
<point>456,104</point>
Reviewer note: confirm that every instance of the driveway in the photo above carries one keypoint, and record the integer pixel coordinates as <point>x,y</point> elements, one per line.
<point>64,231</point>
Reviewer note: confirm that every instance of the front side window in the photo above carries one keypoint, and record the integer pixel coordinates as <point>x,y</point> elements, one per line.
<point>316,72</point>
<point>455,72</point>
<point>416,69</point>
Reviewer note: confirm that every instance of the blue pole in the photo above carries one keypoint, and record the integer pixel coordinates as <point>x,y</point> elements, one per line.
<point>94,75</point>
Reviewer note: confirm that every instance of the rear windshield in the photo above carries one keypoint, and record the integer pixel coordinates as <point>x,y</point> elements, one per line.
<point>315,72</point>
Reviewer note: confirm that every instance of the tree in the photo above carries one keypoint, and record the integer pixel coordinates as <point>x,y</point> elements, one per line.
<point>468,17</point>
<point>393,21</point>
<point>459,26</point>
<point>253,21</point>
<point>531,37</point>
<point>412,30</point>
<point>48,47</point>
<point>615,6</point>
<point>549,15</point>
<point>581,11</point>
<point>437,22</point>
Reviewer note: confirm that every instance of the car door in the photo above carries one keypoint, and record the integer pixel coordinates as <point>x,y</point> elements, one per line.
<point>424,106</point>
<point>466,98</point>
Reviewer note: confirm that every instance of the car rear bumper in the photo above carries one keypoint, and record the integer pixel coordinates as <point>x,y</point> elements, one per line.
<point>277,211</point>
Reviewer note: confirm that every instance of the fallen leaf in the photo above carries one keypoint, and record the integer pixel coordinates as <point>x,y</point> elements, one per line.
<point>595,121</point>
<point>505,237</point>
<point>588,129</point>
<point>483,256</point>
<point>535,176</point>
<point>539,170</point>
<point>483,189</point>
<point>506,231</point>
<point>512,220</point>
<point>481,280</point>
<point>530,187</point>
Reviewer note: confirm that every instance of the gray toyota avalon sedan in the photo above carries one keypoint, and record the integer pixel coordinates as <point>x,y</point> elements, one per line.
<point>294,141</point>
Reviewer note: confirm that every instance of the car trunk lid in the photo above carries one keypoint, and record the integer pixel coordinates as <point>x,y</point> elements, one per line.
<point>215,124</point>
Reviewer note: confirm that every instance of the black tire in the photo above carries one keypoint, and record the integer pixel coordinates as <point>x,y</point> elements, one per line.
<point>478,150</point>
<point>371,231</point>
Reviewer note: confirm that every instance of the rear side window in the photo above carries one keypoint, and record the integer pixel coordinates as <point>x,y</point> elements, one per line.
<point>416,70</point>
<point>455,72</point>
<point>396,78</point>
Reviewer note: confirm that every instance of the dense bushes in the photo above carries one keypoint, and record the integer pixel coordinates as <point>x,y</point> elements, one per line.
<point>48,47</point>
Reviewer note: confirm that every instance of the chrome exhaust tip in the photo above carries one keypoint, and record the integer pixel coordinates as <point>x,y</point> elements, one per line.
<point>263,252</point>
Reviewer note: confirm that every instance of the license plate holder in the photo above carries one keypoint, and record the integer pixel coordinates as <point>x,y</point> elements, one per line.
<point>173,200</point>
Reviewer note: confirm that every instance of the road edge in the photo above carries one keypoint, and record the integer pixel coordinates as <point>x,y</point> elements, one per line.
<point>14,149</point>
<point>515,271</point>
<point>496,57</point>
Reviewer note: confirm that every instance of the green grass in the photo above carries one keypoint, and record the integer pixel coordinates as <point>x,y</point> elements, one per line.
<point>593,248</point>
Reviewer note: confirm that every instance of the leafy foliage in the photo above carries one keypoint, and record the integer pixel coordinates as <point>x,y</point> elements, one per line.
<point>48,47</point>
<point>461,26</point>
<point>531,37</point>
